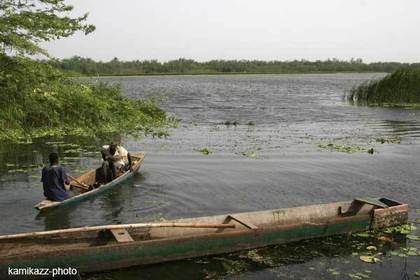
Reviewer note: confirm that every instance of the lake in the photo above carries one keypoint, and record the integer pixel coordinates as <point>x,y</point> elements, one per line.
<point>264,134</point>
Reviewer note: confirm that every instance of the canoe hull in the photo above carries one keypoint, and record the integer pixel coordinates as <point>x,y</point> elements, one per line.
<point>87,178</point>
<point>126,255</point>
<point>168,244</point>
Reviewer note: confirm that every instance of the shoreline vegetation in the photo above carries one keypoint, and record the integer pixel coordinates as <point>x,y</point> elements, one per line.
<point>39,100</point>
<point>80,66</point>
<point>398,89</point>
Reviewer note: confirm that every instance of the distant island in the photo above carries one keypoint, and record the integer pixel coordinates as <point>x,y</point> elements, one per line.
<point>85,66</point>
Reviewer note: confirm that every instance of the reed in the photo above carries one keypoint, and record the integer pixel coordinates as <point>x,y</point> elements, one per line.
<point>401,88</point>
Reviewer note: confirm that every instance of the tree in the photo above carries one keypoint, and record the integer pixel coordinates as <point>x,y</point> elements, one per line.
<point>37,100</point>
<point>26,23</point>
<point>25,83</point>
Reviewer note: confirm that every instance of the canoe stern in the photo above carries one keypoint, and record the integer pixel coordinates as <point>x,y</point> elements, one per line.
<point>388,217</point>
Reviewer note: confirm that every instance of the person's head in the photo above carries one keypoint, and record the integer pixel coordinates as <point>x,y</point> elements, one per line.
<point>53,157</point>
<point>112,149</point>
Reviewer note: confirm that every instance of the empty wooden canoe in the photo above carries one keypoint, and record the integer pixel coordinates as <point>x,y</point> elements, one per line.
<point>98,248</point>
<point>89,179</point>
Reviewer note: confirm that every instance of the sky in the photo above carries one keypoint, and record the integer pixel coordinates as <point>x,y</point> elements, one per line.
<point>374,30</point>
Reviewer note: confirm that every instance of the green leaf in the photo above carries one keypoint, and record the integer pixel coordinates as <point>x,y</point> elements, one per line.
<point>205,151</point>
<point>369,259</point>
<point>354,276</point>
<point>413,237</point>
<point>361,234</point>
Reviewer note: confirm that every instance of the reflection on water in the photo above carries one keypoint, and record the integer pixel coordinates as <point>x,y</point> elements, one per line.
<point>336,257</point>
<point>58,218</point>
<point>263,133</point>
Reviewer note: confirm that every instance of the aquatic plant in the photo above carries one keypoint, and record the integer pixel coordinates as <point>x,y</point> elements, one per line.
<point>205,151</point>
<point>359,275</point>
<point>369,259</point>
<point>233,266</point>
<point>256,257</point>
<point>413,237</point>
<point>402,229</point>
<point>345,148</point>
<point>389,140</point>
<point>401,88</point>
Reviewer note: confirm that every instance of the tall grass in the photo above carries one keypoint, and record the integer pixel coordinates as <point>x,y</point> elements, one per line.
<point>399,88</point>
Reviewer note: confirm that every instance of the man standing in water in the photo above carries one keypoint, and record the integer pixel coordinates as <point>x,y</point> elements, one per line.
<point>54,179</point>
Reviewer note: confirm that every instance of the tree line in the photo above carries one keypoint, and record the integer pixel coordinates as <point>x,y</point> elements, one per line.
<point>88,66</point>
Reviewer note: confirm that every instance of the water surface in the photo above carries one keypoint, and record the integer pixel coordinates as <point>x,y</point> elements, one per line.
<point>263,132</point>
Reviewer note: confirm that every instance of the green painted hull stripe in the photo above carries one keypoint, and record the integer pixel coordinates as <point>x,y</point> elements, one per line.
<point>198,247</point>
<point>111,185</point>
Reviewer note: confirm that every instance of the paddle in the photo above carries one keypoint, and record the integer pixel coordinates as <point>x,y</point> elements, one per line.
<point>109,227</point>
<point>82,185</point>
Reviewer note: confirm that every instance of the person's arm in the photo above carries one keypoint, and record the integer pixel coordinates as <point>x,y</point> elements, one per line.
<point>65,177</point>
<point>129,161</point>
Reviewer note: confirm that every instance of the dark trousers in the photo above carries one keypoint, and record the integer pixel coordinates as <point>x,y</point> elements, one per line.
<point>106,173</point>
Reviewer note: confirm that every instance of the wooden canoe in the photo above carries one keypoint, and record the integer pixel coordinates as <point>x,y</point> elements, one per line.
<point>88,178</point>
<point>99,248</point>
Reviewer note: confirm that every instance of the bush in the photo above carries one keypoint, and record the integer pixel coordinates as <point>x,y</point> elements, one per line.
<point>38,100</point>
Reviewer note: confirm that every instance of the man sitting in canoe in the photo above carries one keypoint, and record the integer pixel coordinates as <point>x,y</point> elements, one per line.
<point>116,160</point>
<point>54,179</point>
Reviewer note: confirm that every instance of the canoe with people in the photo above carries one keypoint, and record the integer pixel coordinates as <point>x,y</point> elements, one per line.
<point>117,166</point>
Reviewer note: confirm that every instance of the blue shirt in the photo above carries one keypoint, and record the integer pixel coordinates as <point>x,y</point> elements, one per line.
<point>53,180</point>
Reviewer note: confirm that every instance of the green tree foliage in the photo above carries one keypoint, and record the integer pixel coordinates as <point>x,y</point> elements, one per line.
<point>39,100</point>
<point>87,66</point>
<point>26,23</point>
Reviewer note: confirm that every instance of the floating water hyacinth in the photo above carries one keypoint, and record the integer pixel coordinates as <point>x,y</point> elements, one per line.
<point>333,271</point>
<point>234,266</point>
<point>256,257</point>
<point>369,259</point>
<point>364,234</point>
<point>359,275</point>
<point>345,149</point>
<point>250,154</point>
<point>389,140</point>
<point>413,237</point>
<point>205,151</point>
<point>403,229</point>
